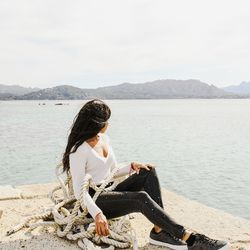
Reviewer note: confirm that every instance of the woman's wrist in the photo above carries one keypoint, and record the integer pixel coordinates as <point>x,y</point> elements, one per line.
<point>131,168</point>
<point>97,215</point>
<point>132,165</point>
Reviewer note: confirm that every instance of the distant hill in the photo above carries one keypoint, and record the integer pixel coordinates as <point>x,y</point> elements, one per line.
<point>15,90</point>
<point>243,88</point>
<point>7,96</point>
<point>160,89</point>
<point>63,92</point>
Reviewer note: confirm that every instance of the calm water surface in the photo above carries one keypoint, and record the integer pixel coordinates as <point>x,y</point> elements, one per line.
<point>201,147</point>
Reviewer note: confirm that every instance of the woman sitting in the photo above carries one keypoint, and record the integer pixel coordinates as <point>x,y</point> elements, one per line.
<point>89,151</point>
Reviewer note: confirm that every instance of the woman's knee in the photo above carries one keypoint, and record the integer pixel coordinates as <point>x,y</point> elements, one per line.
<point>144,171</point>
<point>137,196</point>
<point>142,201</point>
<point>153,171</point>
<point>142,196</point>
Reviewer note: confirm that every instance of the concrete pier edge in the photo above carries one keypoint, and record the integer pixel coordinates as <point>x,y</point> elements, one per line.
<point>19,201</point>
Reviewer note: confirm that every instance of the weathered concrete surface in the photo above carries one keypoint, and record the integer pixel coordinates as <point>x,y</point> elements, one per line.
<point>36,191</point>
<point>196,216</point>
<point>9,192</point>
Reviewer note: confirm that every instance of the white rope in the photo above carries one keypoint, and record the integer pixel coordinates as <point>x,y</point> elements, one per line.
<point>65,216</point>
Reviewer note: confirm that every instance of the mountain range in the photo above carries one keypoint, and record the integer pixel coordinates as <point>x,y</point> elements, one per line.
<point>159,89</point>
<point>16,89</point>
<point>243,88</point>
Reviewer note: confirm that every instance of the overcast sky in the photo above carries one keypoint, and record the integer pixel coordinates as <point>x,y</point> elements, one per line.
<point>98,43</point>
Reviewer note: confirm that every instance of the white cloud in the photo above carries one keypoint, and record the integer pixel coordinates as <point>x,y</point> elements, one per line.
<point>94,43</point>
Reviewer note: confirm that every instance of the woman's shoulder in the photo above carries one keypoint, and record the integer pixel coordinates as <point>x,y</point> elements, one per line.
<point>81,150</point>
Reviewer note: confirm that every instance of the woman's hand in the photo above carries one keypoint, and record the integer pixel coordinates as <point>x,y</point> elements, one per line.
<point>101,225</point>
<point>138,166</point>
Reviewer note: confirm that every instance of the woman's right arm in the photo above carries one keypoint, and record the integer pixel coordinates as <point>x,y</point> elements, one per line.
<point>77,170</point>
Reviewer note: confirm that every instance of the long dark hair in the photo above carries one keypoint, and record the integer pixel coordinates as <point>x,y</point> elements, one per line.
<point>91,118</point>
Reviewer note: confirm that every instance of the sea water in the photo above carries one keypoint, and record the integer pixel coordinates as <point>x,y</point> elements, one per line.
<point>201,147</point>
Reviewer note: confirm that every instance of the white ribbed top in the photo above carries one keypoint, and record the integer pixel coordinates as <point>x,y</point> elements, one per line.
<point>86,160</point>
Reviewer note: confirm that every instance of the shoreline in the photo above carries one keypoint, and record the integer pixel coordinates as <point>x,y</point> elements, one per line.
<point>17,202</point>
<point>133,99</point>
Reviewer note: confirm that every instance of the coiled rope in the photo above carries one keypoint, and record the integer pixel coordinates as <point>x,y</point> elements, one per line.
<point>68,220</point>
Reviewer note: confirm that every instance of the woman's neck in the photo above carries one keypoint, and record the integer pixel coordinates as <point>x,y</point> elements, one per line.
<point>94,138</point>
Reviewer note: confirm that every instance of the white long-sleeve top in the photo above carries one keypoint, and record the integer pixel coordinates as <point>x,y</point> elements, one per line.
<point>86,160</point>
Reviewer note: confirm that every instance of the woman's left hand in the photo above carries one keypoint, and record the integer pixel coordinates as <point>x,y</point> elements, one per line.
<point>138,166</point>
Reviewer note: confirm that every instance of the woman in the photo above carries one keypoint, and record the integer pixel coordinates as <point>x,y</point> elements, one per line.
<point>89,151</point>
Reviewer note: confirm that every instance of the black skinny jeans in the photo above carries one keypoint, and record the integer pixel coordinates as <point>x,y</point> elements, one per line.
<point>138,193</point>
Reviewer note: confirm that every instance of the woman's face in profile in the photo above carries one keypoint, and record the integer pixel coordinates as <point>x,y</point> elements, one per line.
<point>104,128</point>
